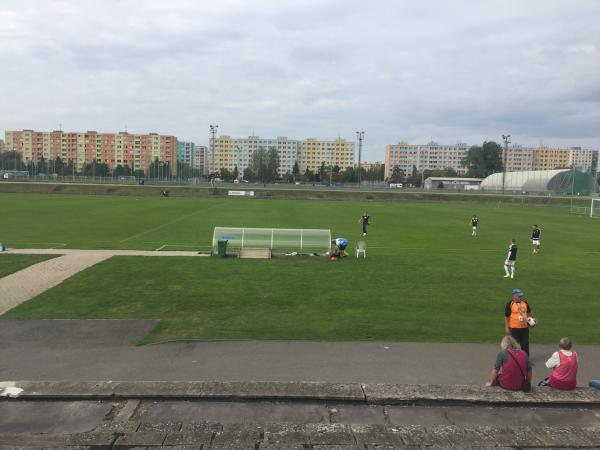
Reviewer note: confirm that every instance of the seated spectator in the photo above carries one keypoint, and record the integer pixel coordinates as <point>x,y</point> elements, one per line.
<point>564,367</point>
<point>512,366</point>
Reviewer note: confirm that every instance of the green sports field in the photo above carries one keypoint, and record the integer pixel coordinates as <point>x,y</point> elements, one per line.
<point>425,277</point>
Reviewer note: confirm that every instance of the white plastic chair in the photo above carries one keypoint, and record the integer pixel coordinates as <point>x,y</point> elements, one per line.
<point>361,248</point>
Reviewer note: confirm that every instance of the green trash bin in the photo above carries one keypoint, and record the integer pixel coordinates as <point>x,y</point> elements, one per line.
<point>222,248</point>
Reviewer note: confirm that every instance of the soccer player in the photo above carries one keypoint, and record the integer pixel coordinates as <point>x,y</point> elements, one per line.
<point>536,233</point>
<point>340,246</point>
<point>511,260</point>
<point>474,223</point>
<point>364,219</point>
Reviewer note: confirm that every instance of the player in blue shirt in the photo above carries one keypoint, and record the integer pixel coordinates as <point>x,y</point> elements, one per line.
<point>340,246</point>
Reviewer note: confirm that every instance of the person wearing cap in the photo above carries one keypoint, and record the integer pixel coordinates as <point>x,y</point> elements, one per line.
<point>516,312</point>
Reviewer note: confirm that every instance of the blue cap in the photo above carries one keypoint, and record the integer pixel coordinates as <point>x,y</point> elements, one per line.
<point>517,292</point>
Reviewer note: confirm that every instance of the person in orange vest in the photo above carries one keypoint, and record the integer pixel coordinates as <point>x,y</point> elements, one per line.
<point>516,312</point>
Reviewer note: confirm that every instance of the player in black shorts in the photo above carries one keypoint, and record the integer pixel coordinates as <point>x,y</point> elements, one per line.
<point>364,219</point>
<point>511,260</point>
<point>536,234</point>
<point>474,223</point>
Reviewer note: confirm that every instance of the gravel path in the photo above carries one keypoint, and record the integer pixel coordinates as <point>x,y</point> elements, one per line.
<point>25,284</point>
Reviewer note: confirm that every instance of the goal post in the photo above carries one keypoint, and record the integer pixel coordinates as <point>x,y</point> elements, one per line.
<point>595,208</point>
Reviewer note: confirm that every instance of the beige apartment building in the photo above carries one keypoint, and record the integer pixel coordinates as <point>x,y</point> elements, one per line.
<point>227,152</point>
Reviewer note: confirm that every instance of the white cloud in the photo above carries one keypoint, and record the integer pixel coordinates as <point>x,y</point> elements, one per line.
<point>462,70</point>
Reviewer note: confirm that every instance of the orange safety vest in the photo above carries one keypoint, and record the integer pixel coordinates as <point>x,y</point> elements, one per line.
<point>518,314</point>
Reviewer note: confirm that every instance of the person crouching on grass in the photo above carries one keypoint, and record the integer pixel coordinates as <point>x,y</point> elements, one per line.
<point>340,246</point>
<point>564,365</point>
<point>512,366</point>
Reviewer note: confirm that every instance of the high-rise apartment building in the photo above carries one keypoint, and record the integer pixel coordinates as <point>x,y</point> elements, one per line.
<point>408,157</point>
<point>433,156</point>
<point>584,159</point>
<point>519,158</point>
<point>192,155</point>
<point>546,158</point>
<point>227,152</point>
<point>136,151</point>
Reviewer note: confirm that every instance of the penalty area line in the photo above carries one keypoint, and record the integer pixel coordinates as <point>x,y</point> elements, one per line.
<point>160,248</point>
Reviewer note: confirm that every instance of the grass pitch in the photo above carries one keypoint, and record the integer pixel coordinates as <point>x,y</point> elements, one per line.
<point>425,278</point>
<point>13,263</point>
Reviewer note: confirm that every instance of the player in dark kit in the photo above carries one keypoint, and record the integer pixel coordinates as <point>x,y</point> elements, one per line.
<point>536,234</point>
<point>511,260</point>
<point>474,223</point>
<point>364,219</point>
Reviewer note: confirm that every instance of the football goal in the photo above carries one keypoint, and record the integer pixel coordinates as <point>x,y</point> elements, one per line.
<point>595,208</point>
<point>592,209</point>
<point>277,240</point>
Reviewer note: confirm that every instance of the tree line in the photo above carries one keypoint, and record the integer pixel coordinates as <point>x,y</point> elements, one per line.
<point>264,168</point>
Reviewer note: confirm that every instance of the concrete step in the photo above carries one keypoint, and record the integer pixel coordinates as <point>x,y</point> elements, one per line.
<point>313,437</point>
<point>255,253</point>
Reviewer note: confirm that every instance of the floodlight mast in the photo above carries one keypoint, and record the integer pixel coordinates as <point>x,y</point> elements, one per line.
<point>213,133</point>
<point>506,139</point>
<point>360,136</point>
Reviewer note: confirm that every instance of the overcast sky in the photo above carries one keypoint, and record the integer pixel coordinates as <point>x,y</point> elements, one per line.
<point>399,70</point>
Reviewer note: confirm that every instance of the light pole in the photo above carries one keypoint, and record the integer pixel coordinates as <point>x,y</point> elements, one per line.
<point>506,139</point>
<point>360,136</point>
<point>213,133</point>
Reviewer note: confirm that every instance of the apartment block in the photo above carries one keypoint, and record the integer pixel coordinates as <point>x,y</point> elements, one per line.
<point>134,150</point>
<point>194,156</point>
<point>584,159</point>
<point>432,156</point>
<point>227,152</point>
<point>546,158</point>
<point>519,158</point>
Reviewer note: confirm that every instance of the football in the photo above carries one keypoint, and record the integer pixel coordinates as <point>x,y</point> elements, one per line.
<point>531,322</point>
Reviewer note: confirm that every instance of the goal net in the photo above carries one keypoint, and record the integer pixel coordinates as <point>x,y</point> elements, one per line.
<point>595,208</point>
<point>587,209</point>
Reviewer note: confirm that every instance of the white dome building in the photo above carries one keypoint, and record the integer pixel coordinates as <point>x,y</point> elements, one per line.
<point>542,181</point>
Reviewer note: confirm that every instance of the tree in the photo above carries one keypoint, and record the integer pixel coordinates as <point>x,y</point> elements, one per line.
<point>265,164</point>
<point>236,173</point>
<point>11,161</point>
<point>295,170</point>
<point>397,176</point>
<point>159,169</point>
<point>484,160</point>
<point>322,171</point>
<point>449,172</point>
<point>225,174</point>
<point>249,174</point>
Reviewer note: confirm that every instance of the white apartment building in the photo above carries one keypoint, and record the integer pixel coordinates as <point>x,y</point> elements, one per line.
<point>432,156</point>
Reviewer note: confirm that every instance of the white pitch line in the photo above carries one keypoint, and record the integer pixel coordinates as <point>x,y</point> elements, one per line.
<point>160,248</point>
<point>160,226</point>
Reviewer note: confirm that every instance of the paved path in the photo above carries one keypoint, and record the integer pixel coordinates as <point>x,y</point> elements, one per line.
<point>82,350</point>
<point>25,284</point>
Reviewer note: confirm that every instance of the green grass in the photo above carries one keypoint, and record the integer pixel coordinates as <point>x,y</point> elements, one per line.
<point>425,277</point>
<point>13,263</point>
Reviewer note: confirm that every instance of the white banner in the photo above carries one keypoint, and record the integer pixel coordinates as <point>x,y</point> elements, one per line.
<point>242,193</point>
